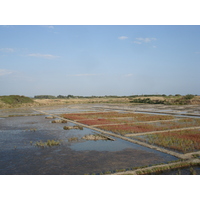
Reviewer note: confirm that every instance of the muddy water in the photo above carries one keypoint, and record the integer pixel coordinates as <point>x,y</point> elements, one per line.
<point>19,155</point>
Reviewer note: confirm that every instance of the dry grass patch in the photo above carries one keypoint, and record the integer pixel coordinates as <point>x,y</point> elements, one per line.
<point>94,137</point>
<point>73,127</point>
<point>48,143</point>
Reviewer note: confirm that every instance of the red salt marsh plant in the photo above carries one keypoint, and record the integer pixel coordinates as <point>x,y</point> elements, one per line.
<point>129,128</point>
<point>80,116</point>
<point>182,123</point>
<point>110,115</point>
<point>146,127</point>
<point>95,121</point>
<point>184,141</point>
<point>147,117</point>
<point>102,121</point>
<point>116,120</point>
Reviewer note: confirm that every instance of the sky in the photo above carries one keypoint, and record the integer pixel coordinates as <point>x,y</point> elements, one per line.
<point>99,60</point>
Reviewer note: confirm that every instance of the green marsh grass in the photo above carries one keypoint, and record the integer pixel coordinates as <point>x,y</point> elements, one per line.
<point>48,143</point>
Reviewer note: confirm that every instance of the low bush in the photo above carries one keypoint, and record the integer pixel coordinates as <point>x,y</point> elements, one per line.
<point>15,99</point>
<point>147,100</point>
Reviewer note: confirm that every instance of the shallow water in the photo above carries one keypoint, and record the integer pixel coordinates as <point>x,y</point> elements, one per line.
<point>19,155</point>
<point>17,111</point>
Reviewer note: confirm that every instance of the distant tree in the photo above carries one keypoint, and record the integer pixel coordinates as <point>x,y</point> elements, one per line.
<point>189,96</point>
<point>70,96</point>
<point>61,97</point>
<point>44,97</point>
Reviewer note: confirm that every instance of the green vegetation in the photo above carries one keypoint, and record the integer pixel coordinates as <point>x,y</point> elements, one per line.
<point>184,141</point>
<point>59,121</point>
<point>184,100</point>
<point>45,97</point>
<point>196,155</point>
<point>15,99</point>
<point>171,167</point>
<point>78,127</point>
<point>49,143</point>
<point>189,96</point>
<point>49,117</point>
<point>106,96</point>
<point>72,96</point>
<point>192,171</point>
<point>73,127</point>
<point>95,137</point>
<point>168,100</point>
<point>147,100</point>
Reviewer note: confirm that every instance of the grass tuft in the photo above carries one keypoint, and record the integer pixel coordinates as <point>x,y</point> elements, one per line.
<point>49,143</point>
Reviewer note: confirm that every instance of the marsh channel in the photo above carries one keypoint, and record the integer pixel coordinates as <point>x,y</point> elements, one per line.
<point>22,128</point>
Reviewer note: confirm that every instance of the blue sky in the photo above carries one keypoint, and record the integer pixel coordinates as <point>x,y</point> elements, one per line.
<point>99,60</point>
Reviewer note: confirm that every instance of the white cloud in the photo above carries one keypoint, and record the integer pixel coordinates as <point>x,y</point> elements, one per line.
<point>122,37</point>
<point>4,72</point>
<point>38,55</point>
<point>143,40</point>
<point>137,42</point>
<point>7,50</point>
<point>146,39</point>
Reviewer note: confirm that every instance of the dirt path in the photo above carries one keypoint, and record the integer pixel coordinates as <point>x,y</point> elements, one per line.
<point>157,167</point>
<point>153,132</point>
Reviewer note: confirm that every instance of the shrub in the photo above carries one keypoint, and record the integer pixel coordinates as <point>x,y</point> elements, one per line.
<point>15,99</point>
<point>189,96</point>
<point>147,100</point>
